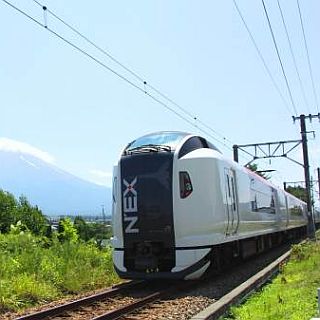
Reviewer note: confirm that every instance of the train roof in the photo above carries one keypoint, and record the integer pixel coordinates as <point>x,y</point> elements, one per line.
<point>165,139</point>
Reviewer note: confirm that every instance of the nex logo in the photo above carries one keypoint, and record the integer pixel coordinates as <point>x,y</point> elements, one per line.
<point>130,205</point>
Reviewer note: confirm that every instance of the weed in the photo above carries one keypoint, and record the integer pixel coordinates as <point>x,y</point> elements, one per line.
<point>33,273</point>
<point>292,295</point>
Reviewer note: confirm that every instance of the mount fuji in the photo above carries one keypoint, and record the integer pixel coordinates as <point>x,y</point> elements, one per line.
<point>25,170</point>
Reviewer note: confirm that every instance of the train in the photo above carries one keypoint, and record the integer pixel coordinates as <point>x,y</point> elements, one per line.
<point>180,209</point>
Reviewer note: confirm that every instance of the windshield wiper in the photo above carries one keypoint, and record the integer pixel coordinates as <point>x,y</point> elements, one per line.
<point>149,148</point>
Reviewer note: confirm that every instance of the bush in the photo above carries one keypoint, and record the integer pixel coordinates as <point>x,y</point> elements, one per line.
<point>31,272</point>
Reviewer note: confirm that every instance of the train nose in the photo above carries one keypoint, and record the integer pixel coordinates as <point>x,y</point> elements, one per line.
<point>147,212</point>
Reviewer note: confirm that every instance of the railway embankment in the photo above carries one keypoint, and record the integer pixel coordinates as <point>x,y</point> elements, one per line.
<point>290,295</point>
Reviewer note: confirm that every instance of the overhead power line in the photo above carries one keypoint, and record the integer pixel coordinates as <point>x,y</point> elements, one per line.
<point>308,57</point>
<point>45,25</point>
<point>89,41</point>
<point>293,58</point>
<point>143,81</point>
<point>139,88</point>
<point>261,57</point>
<point>279,58</point>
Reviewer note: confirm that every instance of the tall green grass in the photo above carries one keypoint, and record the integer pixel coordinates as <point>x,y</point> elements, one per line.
<point>292,295</point>
<point>34,271</point>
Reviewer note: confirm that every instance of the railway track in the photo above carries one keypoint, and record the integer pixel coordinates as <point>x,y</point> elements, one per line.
<point>201,300</point>
<point>73,305</point>
<point>111,304</point>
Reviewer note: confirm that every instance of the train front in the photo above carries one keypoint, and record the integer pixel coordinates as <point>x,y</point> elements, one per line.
<point>143,222</point>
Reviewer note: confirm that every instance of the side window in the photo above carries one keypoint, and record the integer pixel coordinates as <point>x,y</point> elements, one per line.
<point>191,144</point>
<point>263,198</point>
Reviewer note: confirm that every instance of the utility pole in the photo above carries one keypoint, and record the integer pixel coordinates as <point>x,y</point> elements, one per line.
<point>302,118</point>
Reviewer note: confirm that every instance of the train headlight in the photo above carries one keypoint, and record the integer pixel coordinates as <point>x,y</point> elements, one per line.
<point>185,184</point>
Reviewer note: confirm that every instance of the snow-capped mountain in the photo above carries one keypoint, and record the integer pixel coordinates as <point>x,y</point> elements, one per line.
<point>31,173</point>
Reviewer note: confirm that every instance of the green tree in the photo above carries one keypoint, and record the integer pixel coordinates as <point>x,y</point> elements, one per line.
<point>66,231</point>
<point>100,232</point>
<point>298,192</point>
<point>254,167</point>
<point>82,228</point>
<point>32,217</point>
<point>8,211</point>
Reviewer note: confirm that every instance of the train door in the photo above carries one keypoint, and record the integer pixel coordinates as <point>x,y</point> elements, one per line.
<point>287,212</point>
<point>231,204</point>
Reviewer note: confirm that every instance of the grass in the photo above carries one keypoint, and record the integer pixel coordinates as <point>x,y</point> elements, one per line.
<point>33,271</point>
<point>292,294</point>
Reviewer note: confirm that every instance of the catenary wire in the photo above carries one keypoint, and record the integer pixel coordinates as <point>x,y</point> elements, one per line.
<point>279,58</point>
<point>114,72</point>
<point>89,41</point>
<point>146,84</point>
<point>133,73</point>
<point>261,57</point>
<point>293,57</point>
<point>308,57</point>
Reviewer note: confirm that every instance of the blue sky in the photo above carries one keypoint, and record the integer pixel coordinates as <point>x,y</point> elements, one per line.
<point>196,52</point>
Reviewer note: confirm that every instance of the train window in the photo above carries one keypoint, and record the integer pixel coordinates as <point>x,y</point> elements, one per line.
<point>191,144</point>
<point>167,139</point>
<point>212,146</point>
<point>262,198</point>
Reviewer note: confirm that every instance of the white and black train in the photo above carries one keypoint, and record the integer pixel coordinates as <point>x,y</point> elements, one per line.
<point>180,207</point>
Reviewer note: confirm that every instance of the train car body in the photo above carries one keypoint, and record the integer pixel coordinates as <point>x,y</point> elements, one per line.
<point>177,201</point>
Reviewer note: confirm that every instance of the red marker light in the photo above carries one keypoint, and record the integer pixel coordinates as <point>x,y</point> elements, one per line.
<point>185,184</point>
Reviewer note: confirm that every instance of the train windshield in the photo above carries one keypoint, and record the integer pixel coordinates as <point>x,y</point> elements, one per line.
<point>165,141</point>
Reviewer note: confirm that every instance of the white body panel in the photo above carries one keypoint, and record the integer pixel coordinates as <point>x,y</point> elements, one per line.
<point>201,219</point>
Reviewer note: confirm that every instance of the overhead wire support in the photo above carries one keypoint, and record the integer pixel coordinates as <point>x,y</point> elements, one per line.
<point>261,57</point>
<point>304,139</point>
<point>267,150</point>
<point>279,58</point>
<point>308,57</point>
<point>140,78</point>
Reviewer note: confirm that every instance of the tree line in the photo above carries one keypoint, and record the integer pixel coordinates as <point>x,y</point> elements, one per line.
<point>18,215</point>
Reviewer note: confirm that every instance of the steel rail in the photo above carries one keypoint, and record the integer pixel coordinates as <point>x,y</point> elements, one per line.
<point>119,312</point>
<point>70,306</point>
<point>129,308</point>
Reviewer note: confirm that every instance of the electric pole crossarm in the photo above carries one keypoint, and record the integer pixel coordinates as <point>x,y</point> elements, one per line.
<point>267,149</point>
<point>267,143</point>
